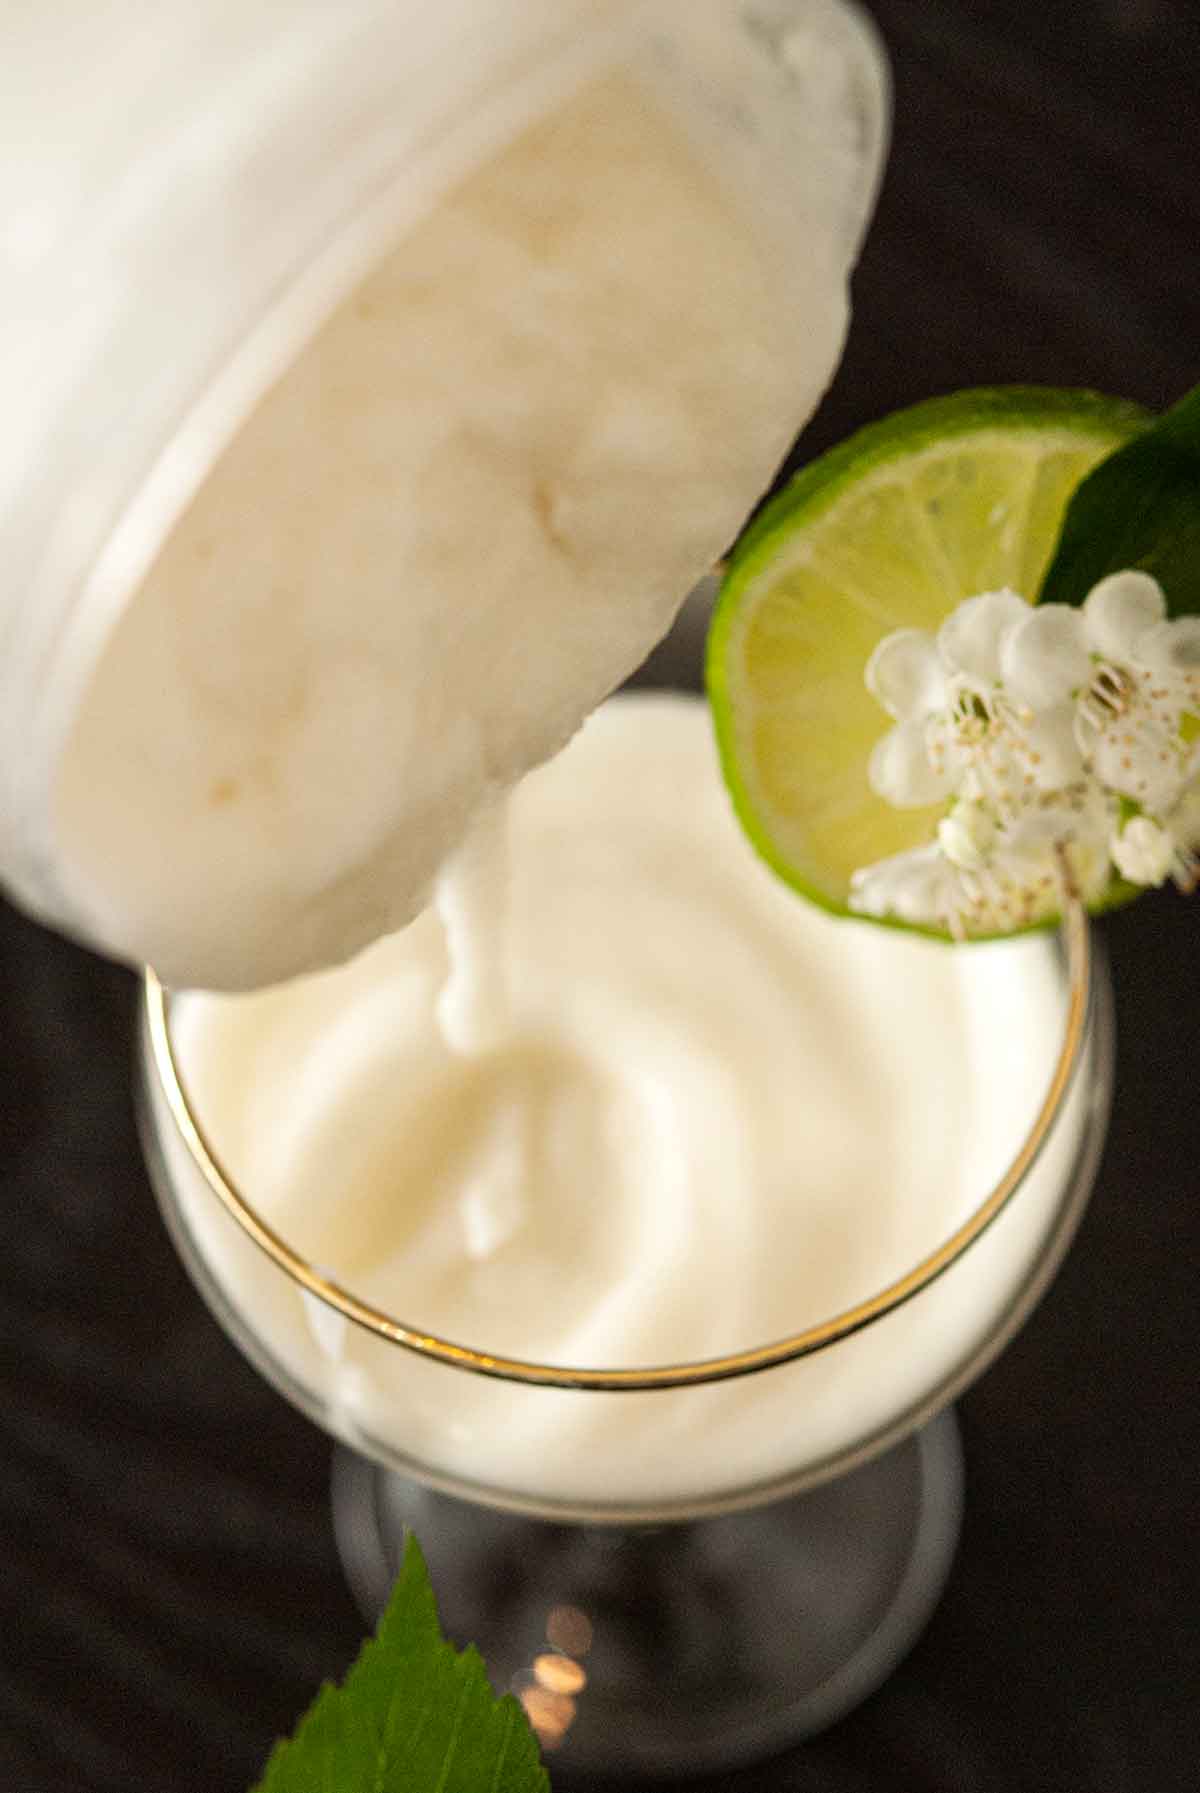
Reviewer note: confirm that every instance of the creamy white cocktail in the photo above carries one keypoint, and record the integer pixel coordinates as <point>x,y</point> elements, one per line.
<point>620,1100</point>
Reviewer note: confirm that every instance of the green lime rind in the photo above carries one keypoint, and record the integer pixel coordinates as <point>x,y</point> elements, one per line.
<point>817,489</point>
<point>903,434</point>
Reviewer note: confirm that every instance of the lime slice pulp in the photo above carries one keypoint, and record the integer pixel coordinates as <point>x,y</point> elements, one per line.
<point>890,530</point>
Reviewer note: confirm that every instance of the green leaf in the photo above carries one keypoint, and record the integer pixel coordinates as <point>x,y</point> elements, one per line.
<point>1140,508</point>
<point>412,1716</point>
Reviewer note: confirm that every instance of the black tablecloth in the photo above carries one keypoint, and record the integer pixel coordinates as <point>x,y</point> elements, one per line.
<point>169,1594</point>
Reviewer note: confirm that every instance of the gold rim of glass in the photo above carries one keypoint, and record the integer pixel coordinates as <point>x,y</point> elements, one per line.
<point>850,1320</point>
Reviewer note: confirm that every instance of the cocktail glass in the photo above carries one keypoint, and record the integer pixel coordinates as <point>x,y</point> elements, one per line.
<point>669,1626</point>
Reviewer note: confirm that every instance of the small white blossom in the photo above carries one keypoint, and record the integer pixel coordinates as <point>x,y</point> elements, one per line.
<point>1121,610</point>
<point>905,674</point>
<point>1051,742</point>
<point>904,771</point>
<point>1143,852</point>
<point>1062,844</point>
<point>1016,882</point>
<point>1172,650</point>
<point>1044,658</point>
<point>971,638</point>
<point>967,835</point>
<point>1148,852</point>
<point>920,886</point>
<point>1041,727</point>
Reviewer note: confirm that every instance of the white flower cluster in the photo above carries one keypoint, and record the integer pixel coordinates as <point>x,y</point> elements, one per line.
<point>1065,742</point>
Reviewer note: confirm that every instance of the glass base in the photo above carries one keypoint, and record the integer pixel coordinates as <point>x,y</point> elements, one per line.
<point>685,1648</point>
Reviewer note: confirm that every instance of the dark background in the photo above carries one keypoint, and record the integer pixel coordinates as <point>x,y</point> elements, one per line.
<point>169,1595</point>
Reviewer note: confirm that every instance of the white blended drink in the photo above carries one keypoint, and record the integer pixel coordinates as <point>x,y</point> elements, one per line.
<point>700,1116</point>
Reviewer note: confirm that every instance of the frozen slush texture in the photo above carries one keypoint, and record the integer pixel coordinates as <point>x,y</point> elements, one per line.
<point>466,513</point>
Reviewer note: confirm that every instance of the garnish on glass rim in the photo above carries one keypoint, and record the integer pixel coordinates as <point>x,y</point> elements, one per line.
<point>1065,740</point>
<point>1036,748</point>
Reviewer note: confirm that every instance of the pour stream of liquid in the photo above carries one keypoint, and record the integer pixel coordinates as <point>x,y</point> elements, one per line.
<point>475,1016</point>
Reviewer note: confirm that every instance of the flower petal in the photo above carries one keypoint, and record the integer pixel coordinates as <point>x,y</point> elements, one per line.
<point>1143,852</point>
<point>1035,847</point>
<point>1145,763</point>
<point>1052,748</point>
<point>1120,609</point>
<point>900,770</point>
<point>1170,647</point>
<point>918,886</point>
<point>905,675</point>
<point>967,834</point>
<point>1044,659</point>
<point>969,639</point>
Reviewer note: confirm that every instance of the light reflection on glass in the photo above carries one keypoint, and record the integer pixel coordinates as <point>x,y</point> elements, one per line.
<point>549,1696</point>
<point>550,1714</point>
<point>569,1630</point>
<point>560,1674</point>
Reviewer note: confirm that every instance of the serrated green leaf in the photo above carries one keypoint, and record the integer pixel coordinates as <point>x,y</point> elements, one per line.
<point>412,1716</point>
<point>1140,508</point>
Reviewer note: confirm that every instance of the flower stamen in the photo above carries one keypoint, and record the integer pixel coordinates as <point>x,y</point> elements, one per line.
<point>1107,697</point>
